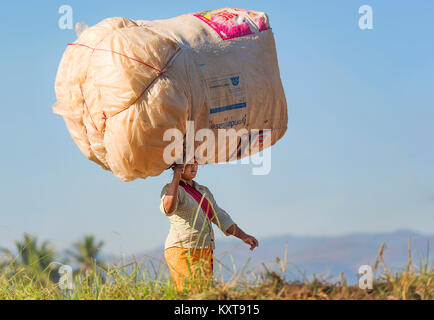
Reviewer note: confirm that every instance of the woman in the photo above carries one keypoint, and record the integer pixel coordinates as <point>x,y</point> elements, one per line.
<point>191,208</point>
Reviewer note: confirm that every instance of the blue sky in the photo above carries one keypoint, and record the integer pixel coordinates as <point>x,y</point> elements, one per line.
<point>358,155</point>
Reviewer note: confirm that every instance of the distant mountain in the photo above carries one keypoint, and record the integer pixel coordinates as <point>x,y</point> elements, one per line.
<point>324,257</point>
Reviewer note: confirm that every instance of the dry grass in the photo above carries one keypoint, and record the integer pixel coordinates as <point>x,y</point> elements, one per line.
<point>116,283</point>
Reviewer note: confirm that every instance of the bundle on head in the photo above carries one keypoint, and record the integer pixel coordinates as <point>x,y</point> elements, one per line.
<point>123,83</point>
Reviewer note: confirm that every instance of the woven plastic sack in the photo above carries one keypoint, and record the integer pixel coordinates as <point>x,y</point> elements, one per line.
<point>123,83</point>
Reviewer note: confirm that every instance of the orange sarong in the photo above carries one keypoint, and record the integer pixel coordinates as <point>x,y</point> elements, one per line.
<point>190,265</point>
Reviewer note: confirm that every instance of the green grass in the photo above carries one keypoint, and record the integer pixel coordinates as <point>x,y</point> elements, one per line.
<point>20,282</point>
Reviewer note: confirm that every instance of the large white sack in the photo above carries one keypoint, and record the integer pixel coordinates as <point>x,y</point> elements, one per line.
<point>124,82</point>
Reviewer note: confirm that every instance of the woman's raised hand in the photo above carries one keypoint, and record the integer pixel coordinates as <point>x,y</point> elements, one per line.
<point>171,197</point>
<point>179,168</point>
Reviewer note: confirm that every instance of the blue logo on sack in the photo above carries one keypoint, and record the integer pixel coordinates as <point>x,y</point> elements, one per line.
<point>235,80</point>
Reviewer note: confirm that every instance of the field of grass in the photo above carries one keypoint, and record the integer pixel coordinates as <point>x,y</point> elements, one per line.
<point>18,281</point>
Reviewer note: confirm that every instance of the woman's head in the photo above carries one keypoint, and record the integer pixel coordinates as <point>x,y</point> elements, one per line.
<point>190,171</point>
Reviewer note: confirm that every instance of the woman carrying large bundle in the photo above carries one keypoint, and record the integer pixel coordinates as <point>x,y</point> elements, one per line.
<point>190,243</point>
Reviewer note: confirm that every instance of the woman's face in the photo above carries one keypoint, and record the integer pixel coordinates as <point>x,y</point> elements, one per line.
<point>190,171</point>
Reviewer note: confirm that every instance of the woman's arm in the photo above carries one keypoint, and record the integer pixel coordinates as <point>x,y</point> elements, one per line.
<point>169,200</point>
<point>240,234</point>
<point>228,226</point>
